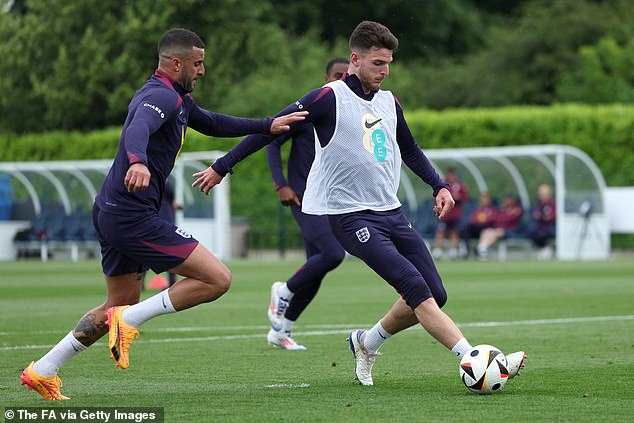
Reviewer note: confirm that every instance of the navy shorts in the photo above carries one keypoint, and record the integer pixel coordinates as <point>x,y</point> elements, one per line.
<point>138,241</point>
<point>317,233</point>
<point>386,242</point>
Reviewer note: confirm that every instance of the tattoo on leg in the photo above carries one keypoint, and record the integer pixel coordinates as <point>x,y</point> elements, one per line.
<point>90,328</point>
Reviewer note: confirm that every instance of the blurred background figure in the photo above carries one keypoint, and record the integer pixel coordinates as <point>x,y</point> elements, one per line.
<point>543,216</point>
<point>449,226</point>
<point>507,219</point>
<point>482,218</point>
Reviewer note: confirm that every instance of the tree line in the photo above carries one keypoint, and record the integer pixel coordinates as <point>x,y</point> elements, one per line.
<point>75,65</point>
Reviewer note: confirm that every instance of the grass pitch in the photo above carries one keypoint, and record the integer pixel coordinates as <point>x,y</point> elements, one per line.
<point>212,363</point>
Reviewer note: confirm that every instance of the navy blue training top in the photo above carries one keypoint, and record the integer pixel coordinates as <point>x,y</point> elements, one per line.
<point>153,134</point>
<point>300,158</point>
<point>321,105</point>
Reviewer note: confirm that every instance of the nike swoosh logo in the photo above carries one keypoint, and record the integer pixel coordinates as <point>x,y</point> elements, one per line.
<point>379,332</point>
<point>75,348</point>
<point>163,300</point>
<point>371,124</point>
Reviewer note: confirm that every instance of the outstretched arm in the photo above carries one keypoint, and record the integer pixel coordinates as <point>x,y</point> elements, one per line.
<point>219,125</point>
<point>210,177</point>
<point>318,103</point>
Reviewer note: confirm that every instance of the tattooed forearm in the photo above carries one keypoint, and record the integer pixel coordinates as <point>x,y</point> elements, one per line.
<point>90,328</point>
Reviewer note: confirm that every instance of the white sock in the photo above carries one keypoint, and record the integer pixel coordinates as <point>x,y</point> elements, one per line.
<point>287,325</point>
<point>66,349</point>
<point>375,337</point>
<point>461,347</point>
<point>154,306</point>
<point>285,293</point>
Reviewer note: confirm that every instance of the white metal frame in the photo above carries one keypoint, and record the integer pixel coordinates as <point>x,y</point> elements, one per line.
<point>213,233</point>
<point>577,237</point>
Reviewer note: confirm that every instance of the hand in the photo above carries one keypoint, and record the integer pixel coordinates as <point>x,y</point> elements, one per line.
<point>137,178</point>
<point>281,124</point>
<point>444,203</point>
<point>207,179</point>
<point>288,196</point>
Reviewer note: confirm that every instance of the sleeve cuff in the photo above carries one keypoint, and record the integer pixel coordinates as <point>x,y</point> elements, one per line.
<point>220,169</point>
<point>269,123</point>
<point>438,187</point>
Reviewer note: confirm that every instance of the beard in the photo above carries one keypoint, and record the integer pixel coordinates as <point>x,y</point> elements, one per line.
<point>188,84</point>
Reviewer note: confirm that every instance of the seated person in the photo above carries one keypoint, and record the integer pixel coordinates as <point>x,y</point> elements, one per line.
<point>449,226</point>
<point>543,216</point>
<point>508,218</point>
<point>483,217</point>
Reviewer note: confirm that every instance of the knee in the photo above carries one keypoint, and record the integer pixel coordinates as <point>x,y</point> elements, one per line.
<point>223,280</point>
<point>333,259</point>
<point>216,284</point>
<point>441,298</point>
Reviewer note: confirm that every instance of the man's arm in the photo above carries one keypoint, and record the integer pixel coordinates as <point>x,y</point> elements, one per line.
<point>413,156</point>
<point>151,113</point>
<point>219,125</point>
<point>314,103</point>
<point>274,159</point>
<point>416,160</point>
<point>318,103</point>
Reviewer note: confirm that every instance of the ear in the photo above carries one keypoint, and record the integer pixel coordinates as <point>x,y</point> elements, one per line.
<point>354,57</point>
<point>176,64</point>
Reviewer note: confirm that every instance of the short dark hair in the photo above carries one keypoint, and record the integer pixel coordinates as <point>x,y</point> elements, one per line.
<point>178,40</point>
<point>334,62</point>
<point>369,34</point>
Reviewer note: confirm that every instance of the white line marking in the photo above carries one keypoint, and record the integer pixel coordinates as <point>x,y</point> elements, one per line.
<point>197,329</point>
<point>546,321</point>
<point>348,328</point>
<point>288,385</point>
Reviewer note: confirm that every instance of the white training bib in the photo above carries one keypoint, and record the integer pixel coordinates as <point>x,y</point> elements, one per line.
<point>360,168</point>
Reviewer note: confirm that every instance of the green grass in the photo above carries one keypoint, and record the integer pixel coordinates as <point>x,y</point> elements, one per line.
<point>221,369</point>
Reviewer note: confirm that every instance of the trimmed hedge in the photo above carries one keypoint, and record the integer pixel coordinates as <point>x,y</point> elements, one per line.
<point>605,133</point>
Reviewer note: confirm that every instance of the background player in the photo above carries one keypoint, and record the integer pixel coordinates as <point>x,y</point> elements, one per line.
<point>323,252</point>
<point>133,237</point>
<point>363,137</point>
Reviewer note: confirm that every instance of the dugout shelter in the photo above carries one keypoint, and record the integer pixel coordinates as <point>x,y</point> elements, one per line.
<point>47,205</point>
<point>582,226</point>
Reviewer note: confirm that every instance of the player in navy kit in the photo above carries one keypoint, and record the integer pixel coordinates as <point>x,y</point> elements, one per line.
<point>362,138</point>
<point>133,237</point>
<point>323,252</point>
